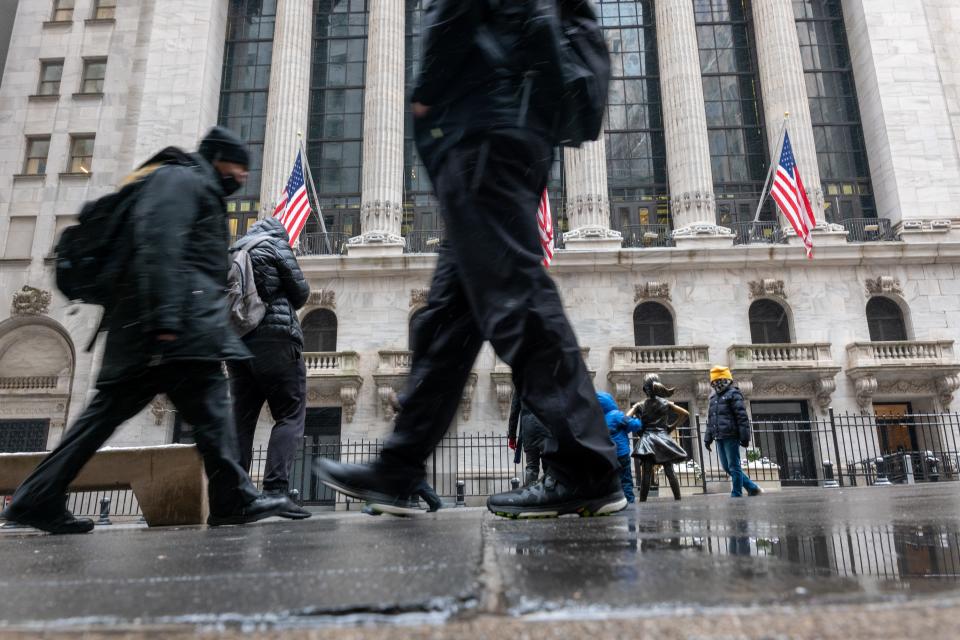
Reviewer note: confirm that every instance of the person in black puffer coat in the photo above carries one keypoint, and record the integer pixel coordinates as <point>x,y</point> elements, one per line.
<point>729,424</point>
<point>277,374</point>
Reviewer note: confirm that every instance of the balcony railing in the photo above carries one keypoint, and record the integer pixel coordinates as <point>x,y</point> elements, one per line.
<point>868,230</point>
<point>756,232</point>
<point>395,361</point>
<point>427,241</point>
<point>321,244</point>
<point>28,383</point>
<point>642,236</point>
<point>332,363</point>
<point>663,358</point>
<point>899,353</point>
<point>779,356</point>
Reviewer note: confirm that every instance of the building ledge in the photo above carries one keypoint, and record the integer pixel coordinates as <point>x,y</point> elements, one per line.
<point>75,175</point>
<point>334,376</point>
<point>17,261</point>
<point>87,96</point>
<point>29,177</point>
<point>49,24</point>
<point>37,97</point>
<point>100,21</point>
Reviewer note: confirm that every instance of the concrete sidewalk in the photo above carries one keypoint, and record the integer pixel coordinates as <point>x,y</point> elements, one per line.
<point>806,563</point>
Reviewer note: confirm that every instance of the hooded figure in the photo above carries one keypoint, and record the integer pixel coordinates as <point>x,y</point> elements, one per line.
<point>620,426</point>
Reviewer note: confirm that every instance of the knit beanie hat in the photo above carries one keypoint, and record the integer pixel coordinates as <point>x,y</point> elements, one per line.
<point>222,144</point>
<point>720,373</point>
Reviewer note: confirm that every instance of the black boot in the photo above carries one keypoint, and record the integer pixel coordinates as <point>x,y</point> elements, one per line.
<point>59,523</point>
<point>548,498</point>
<point>293,511</point>
<point>257,509</point>
<point>386,489</point>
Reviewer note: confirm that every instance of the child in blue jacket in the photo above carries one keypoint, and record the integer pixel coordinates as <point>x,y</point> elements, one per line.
<point>621,425</point>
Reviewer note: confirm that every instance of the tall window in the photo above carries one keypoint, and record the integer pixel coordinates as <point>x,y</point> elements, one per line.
<point>636,150</point>
<point>769,323</point>
<point>652,325</point>
<point>885,320</point>
<point>734,110</point>
<point>94,71</point>
<point>335,130</point>
<point>320,331</point>
<point>51,71</point>
<point>35,162</point>
<point>62,10</point>
<point>243,90</point>
<point>841,151</point>
<point>104,9</point>
<point>81,154</point>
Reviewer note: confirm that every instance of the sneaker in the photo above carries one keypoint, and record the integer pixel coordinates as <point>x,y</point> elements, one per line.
<point>547,498</point>
<point>60,524</point>
<point>754,492</point>
<point>383,489</point>
<point>257,509</point>
<point>293,510</point>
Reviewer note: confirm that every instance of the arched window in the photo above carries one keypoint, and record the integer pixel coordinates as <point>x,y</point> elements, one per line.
<point>320,331</point>
<point>652,325</point>
<point>768,323</point>
<point>885,320</point>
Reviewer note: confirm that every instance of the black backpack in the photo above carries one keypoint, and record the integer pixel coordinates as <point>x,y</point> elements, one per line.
<point>91,256</point>
<point>567,73</point>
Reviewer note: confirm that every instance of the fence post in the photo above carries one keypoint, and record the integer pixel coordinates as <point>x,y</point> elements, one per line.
<point>461,486</point>
<point>836,446</point>
<point>104,518</point>
<point>703,459</point>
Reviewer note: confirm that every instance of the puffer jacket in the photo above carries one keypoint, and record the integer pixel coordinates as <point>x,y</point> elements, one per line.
<point>177,278</point>
<point>727,417</point>
<point>619,425</point>
<point>280,283</point>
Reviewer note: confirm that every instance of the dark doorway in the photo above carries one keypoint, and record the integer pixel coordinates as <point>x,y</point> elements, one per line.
<point>652,325</point>
<point>885,320</point>
<point>321,439</point>
<point>781,430</point>
<point>320,331</point>
<point>23,436</point>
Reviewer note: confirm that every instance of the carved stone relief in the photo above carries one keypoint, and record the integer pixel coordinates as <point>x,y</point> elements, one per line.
<point>159,409</point>
<point>503,388</point>
<point>649,290</point>
<point>30,301</point>
<point>323,298</point>
<point>767,288</point>
<point>418,297</point>
<point>466,401</point>
<point>883,285</point>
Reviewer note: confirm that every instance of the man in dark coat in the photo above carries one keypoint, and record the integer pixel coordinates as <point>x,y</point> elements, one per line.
<point>729,425</point>
<point>276,374</point>
<point>488,151</point>
<point>166,334</point>
<point>525,431</point>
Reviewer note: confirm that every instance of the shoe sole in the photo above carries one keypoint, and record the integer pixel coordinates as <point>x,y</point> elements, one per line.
<point>376,501</point>
<point>293,515</point>
<point>593,508</point>
<point>234,520</point>
<point>38,526</point>
<point>393,510</point>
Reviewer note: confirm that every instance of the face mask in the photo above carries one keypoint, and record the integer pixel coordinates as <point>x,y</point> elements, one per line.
<point>229,184</point>
<point>720,385</point>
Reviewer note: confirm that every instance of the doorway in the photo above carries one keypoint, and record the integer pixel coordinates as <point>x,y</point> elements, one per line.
<point>895,430</point>
<point>782,433</point>
<point>321,439</point>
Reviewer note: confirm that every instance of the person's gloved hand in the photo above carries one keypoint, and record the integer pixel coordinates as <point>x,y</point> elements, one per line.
<point>707,445</point>
<point>744,443</point>
<point>512,443</point>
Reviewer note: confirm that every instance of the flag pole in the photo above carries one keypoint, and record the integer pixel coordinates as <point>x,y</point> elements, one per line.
<point>766,184</point>
<point>313,189</point>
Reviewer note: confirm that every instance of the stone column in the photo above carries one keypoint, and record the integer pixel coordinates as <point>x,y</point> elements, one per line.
<point>588,202</point>
<point>381,198</point>
<point>289,98</point>
<point>685,126</point>
<point>785,92</point>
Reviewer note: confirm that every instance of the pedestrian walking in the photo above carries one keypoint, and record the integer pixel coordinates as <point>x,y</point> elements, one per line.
<point>655,446</point>
<point>526,433</point>
<point>165,320</point>
<point>486,122</point>
<point>620,426</point>
<point>276,374</point>
<point>729,425</point>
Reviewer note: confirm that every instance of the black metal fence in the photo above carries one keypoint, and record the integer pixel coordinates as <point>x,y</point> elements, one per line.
<point>640,236</point>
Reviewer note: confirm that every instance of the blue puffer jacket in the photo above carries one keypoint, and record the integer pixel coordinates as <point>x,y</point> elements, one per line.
<point>618,423</point>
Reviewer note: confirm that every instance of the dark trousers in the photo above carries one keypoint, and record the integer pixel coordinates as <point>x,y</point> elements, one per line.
<point>277,376</point>
<point>199,392</point>
<point>489,284</point>
<point>626,478</point>
<point>532,436</point>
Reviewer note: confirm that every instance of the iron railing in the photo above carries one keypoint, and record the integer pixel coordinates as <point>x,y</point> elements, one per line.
<point>425,241</point>
<point>868,229</point>
<point>645,236</point>
<point>756,232</point>
<point>321,244</point>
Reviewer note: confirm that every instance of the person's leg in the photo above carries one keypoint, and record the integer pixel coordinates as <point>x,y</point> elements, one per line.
<point>490,190</point>
<point>285,385</point>
<point>248,401</point>
<point>731,452</point>
<point>42,494</point>
<point>531,451</point>
<point>672,479</point>
<point>646,480</point>
<point>626,478</point>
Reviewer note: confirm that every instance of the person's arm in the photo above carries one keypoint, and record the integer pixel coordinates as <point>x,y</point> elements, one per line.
<point>633,425</point>
<point>743,419</point>
<point>710,435</point>
<point>163,218</point>
<point>634,409</point>
<point>682,416</point>
<point>295,286</point>
<point>451,27</point>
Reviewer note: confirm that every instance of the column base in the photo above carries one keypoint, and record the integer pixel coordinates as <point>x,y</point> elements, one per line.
<point>592,239</point>
<point>376,244</point>
<point>928,231</point>
<point>703,235</point>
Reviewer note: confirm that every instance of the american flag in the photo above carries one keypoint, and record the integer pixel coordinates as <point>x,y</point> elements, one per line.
<point>545,223</point>
<point>791,197</point>
<point>293,209</point>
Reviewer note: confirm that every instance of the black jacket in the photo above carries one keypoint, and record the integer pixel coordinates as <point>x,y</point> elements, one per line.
<point>177,277</point>
<point>727,417</point>
<point>468,87</point>
<point>280,283</point>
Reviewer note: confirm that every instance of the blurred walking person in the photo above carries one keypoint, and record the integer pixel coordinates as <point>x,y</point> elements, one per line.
<point>526,433</point>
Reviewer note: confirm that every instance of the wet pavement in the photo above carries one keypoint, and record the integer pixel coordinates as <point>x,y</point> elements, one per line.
<point>803,549</point>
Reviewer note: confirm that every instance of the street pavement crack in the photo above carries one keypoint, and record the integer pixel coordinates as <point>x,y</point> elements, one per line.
<point>493,600</point>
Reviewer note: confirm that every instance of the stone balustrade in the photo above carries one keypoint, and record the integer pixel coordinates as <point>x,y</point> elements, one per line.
<point>900,353</point>
<point>335,374</point>
<point>776,356</point>
<point>331,363</point>
<point>29,383</point>
<point>659,358</point>
<point>399,361</point>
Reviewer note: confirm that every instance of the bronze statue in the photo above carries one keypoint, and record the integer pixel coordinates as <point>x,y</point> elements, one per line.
<point>655,446</point>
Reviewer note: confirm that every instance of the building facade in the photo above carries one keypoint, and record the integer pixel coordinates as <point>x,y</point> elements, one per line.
<point>661,265</point>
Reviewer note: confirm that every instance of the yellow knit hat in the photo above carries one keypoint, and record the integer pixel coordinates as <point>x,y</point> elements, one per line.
<point>720,373</point>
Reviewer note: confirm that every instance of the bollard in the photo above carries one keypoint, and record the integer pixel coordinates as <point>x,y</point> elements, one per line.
<point>933,467</point>
<point>908,467</point>
<point>461,485</point>
<point>514,483</point>
<point>104,518</point>
<point>882,479</point>
<point>829,481</point>
<point>295,496</point>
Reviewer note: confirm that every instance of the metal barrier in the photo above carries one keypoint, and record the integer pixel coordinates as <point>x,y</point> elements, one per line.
<point>426,241</point>
<point>321,244</point>
<point>756,232</point>
<point>641,236</point>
